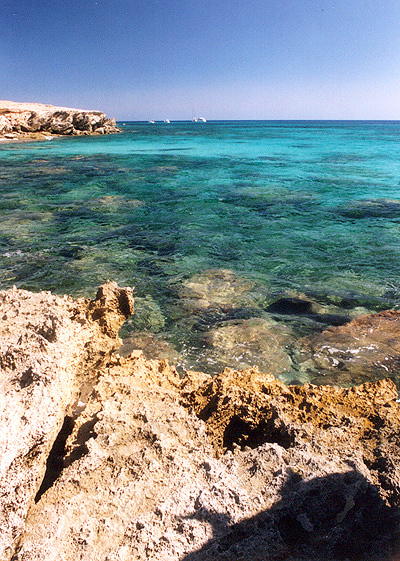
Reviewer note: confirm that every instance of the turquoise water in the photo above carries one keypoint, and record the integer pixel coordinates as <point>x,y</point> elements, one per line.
<point>212,223</point>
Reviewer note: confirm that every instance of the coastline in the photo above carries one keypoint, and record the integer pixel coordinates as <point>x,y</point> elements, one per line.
<point>26,137</point>
<point>234,466</point>
<point>132,460</point>
<point>36,121</point>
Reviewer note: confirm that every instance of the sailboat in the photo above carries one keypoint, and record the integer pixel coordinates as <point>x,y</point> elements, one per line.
<point>199,120</point>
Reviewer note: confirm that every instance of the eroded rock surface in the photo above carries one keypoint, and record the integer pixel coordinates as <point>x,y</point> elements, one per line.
<point>36,120</point>
<point>47,345</point>
<point>235,467</point>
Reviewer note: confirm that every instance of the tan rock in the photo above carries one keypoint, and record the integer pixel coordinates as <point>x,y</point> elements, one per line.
<point>30,118</point>
<point>248,408</point>
<point>154,467</point>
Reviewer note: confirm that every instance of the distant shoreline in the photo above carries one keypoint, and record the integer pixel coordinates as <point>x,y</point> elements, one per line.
<point>219,121</point>
<point>36,121</point>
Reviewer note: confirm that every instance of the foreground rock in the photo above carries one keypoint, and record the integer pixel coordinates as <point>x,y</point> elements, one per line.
<point>48,346</point>
<point>149,466</point>
<point>38,121</point>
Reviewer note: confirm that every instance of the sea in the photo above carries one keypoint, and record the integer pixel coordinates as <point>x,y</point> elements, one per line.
<point>243,239</point>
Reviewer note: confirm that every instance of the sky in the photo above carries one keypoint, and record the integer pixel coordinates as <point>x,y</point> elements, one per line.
<point>220,59</point>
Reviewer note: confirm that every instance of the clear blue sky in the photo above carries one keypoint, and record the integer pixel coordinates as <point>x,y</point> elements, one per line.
<point>224,59</point>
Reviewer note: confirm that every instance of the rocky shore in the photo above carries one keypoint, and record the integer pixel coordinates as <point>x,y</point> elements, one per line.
<point>36,121</point>
<point>117,458</point>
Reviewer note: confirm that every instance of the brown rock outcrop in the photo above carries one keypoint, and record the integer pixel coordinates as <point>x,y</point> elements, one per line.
<point>154,467</point>
<point>21,120</point>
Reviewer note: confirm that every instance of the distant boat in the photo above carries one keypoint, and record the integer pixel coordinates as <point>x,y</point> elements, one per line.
<point>199,120</point>
<point>152,122</point>
<point>167,121</point>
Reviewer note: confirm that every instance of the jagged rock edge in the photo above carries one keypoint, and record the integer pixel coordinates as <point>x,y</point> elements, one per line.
<point>101,309</point>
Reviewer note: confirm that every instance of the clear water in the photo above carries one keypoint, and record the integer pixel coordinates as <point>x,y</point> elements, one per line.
<point>212,223</point>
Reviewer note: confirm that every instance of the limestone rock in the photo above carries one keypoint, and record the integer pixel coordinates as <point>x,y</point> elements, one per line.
<point>45,347</point>
<point>154,467</point>
<point>30,118</point>
<point>110,305</point>
<point>248,408</point>
<point>5,125</point>
<point>299,472</point>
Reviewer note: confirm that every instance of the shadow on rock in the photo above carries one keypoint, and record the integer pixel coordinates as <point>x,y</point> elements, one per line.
<point>339,517</point>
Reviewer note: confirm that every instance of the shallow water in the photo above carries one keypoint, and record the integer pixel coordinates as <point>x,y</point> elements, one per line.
<point>212,223</point>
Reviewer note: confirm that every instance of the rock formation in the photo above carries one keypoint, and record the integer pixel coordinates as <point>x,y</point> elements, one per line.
<point>35,120</point>
<point>106,457</point>
<point>48,347</point>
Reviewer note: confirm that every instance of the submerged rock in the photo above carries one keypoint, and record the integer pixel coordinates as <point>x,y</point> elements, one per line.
<point>155,467</point>
<point>219,289</point>
<point>148,317</point>
<point>372,208</point>
<point>113,203</point>
<point>251,341</point>
<point>364,349</point>
<point>152,345</point>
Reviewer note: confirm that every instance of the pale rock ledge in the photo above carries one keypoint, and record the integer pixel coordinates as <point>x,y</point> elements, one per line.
<point>38,121</point>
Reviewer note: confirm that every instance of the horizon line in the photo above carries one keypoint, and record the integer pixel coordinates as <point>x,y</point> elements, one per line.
<point>161,121</point>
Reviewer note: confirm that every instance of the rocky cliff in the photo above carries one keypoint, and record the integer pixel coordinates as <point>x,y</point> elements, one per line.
<point>35,120</point>
<point>104,457</point>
